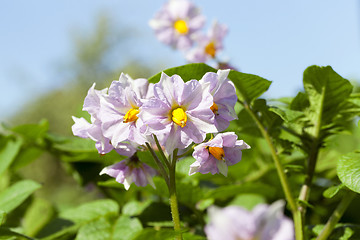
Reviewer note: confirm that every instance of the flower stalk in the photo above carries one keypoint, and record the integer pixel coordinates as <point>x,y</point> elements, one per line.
<point>337,214</point>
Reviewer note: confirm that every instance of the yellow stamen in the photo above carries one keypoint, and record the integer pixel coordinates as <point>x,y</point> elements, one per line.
<point>210,49</point>
<point>217,152</point>
<point>131,115</point>
<point>179,117</point>
<point>181,27</point>
<point>214,108</point>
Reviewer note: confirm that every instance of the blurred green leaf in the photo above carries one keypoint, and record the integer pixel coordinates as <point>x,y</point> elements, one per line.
<point>91,211</point>
<point>38,214</point>
<point>8,234</point>
<point>348,170</point>
<point>126,228</point>
<point>99,229</point>
<point>204,203</point>
<point>249,86</point>
<point>332,191</point>
<point>8,153</point>
<point>13,196</point>
<point>32,132</point>
<point>135,208</point>
<point>186,72</point>
<point>25,157</point>
<point>248,201</point>
<point>225,192</point>
<point>2,217</point>
<point>162,234</point>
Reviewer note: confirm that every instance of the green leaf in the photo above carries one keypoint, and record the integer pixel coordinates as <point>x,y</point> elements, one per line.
<point>8,234</point>
<point>248,201</point>
<point>186,72</point>
<point>348,170</point>
<point>99,229</point>
<point>32,131</point>
<point>126,228</point>
<point>91,211</point>
<point>13,196</point>
<point>135,208</point>
<point>2,217</point>
<point>162,234</point>
<point>225,192</point>
<point>249,86</point>
<point>25,157</point>
<point>327,90</point>
<point>37,216</point>
<point>332,191</point>
<point>8,153</point>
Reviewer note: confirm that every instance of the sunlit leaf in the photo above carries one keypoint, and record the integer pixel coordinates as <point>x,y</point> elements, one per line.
<point>348,170</point>
<point>327,91</point>
<point>13,196</point>
<point>126,228</point>
<point>99,229</point>
<point>8,153</point>
<point>332,191</point>
<point>91,211</point>
<point>186,72</point>
<point>249,86</point>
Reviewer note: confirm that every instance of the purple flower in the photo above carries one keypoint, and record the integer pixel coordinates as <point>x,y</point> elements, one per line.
<point>120,108</point>
<point>179,113</point>
<point>129,171</point>
<point>208,45</point>
<point>84,129</point>
<point>224,94</point>
<point>176,23</point>
<point>217,154</point>
<point>264,222</point>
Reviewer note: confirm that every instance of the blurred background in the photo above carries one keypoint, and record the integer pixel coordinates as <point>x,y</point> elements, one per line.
<point>52,52</point>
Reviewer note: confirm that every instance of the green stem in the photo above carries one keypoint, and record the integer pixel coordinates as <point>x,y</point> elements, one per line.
<point>299,233</point>
<point>337,214</point>
<point>173,198</point>
<point>162,154</point>
<point>159,164</point>
<point>280,170</point>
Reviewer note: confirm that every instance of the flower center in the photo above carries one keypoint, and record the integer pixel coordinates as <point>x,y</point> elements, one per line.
<point>179,117</point>
<point>131,115</point>
<point>217,152</point>
<point>214,108</point>
<point>210,49</point>
<point>181,26</point>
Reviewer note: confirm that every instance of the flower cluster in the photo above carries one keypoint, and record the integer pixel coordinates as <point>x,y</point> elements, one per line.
<point>126,117</point>
<point>263,222</point>
<point>179,24</point>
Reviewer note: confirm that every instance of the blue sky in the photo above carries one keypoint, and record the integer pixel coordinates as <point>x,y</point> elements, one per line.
<point>273,39</point>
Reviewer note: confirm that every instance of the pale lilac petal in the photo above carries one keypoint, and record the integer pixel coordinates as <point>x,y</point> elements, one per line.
<point>230,223</point>
<point>80,127</point>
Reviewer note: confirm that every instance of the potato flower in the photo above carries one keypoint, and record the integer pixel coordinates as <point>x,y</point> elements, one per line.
<point>130,171</point>
<point>179,113</point>
<point>224,94</point>
<point>217,154</point>
<point>120,108</point>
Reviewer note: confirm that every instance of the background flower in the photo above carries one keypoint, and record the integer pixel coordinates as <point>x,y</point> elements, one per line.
<point>176,23</point>
<point>264,222</point>
<point>209,45</point>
